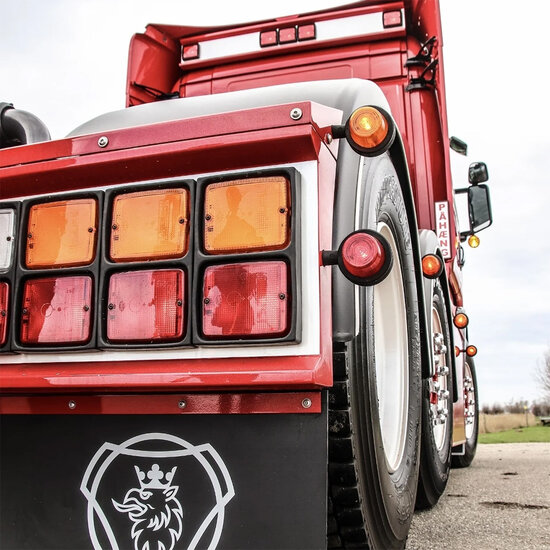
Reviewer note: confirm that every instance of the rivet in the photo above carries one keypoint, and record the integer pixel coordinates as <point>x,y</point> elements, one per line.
<point>90,229</point>
<point>29,236</point>
<point>103,141</point>
<point>182,404</point>
<point>296,113</point>
<point>114,227</point>
<point>72,405</point>
<point>207,300</point>
<point>282,210</point>
<point>179,303</point>
<point>25,311</point>
<point>8,239</point>
<point>181,220</point>
<point>3,313</point>
<point>208,217</point>
<point>111,306</point>
<point>306,403</point>
<point>86,308</point>
<point>282,296</point>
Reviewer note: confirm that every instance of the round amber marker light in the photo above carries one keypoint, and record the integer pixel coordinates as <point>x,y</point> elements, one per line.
<point>471,351</point>
<point>431,266</point>
<point>368,127</point>
<point>461,320</point>
<point>473,241</point>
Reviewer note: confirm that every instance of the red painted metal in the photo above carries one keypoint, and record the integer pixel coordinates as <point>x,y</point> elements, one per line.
<point>180,403</point>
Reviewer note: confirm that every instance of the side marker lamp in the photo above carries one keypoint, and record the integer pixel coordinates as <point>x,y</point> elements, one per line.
<point>7,230</point>
<point>4,293</point>
<point>471,351</point>
<point>370,131</point>
<point>61,234</point>
<point>432,266</point>
<point>473,241</point>
<point>460,320</point>
<point>364,257</point>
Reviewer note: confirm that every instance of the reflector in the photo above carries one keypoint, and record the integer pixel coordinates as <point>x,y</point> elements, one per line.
<point>268,38</point>
<point>7,229</point>
<point>246,299</point>
<point>392,19</point>
<point>61,233</point>
<point>306,32</point>
<point>146,306</point>
<point>287,35</point>
<point>149,225</point>
<point>4,293</point>
<point>56,310</point>
<point>245,215</point>
<point>190,52</point>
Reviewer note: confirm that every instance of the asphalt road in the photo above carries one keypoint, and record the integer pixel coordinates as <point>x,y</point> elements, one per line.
<point>502,501</point>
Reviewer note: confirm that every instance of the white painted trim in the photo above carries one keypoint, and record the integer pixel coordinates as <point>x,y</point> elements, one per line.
<point>310,342</point>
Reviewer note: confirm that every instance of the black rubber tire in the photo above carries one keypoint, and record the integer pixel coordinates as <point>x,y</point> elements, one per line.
<point>435,464</point>
<point>470,447</point>
<point>372,507</point>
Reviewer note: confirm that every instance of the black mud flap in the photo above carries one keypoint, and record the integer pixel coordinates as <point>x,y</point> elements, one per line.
<point>163,482</point>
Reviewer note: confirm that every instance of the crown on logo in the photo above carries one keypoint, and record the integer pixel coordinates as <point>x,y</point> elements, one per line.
<point>155,475</point>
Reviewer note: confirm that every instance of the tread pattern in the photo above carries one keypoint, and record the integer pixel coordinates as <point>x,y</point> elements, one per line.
<point>345,519</point>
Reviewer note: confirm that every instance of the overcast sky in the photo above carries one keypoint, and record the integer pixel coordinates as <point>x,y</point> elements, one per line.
<point>65,61</point>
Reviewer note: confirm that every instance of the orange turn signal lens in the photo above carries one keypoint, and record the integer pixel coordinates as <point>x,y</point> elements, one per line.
<point>368,127</point>
<point>473,241</point>
<point>471,351</point>
<point>432,266</point>
<point>150,225</point>
<point>61,234</point>
<point>247,215</point>
<point>457,351</point>
<point>461,320</point>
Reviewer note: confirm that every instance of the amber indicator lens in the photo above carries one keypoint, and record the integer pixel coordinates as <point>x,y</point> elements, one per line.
<point>473,241</point>
<point>246,299</point>
<point>368,127</point>
<point>461,320</point>
<point>146,306</point>
<point>471,351</point>
<point>56,310</point>
<point>150,225</point>
<point>3,312</point>
<point>247,215</point>
<point>432,266</point>
<point>7,230</point>
<point>61,234</point>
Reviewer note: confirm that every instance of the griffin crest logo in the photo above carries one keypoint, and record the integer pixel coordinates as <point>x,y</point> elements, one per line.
<point>153,508</point>
<point>135,490</point>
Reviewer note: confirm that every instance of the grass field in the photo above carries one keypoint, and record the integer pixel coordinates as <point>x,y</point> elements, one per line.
<point>533,434</point>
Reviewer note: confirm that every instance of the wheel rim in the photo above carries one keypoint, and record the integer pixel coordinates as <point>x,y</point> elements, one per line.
<point>469,402</point>
<point>439,393</point>
<point>391,357</point>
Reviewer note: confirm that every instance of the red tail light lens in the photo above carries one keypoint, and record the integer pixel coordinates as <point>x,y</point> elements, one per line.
<point>246,300</point>
<point>56,310</point>
<point>363,255</point>
<point>146,306</point>
<point>3,312</point>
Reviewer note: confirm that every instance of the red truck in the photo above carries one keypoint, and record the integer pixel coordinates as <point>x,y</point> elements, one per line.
<point>231,314</point>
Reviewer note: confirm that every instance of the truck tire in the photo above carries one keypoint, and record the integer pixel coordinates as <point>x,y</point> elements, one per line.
<point>375,404</point>
<point>437,410</point>
<point>471,416</point>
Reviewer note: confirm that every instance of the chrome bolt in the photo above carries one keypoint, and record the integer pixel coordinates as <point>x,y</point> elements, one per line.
<point>72,405</point>
<point>296,113</point>
<point>103,141</point>
<point>306,403</point>
<point>443,394</point>
<point>182,404</point>
<point>328,139</point>
<point>443,370</point>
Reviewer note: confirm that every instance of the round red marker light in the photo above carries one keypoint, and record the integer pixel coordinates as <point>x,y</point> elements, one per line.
<point>432,266</point>
<point>461,320</point>
<point>363,255</point>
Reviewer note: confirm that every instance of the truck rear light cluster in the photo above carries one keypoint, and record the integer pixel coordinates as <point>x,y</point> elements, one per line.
<point>146,306</point>
<point>4,294</point>
<point>61,234</point>
<point>245,215</point>
<point>150,225</point>
<point>7,230</point>
<point>246,299</point>
<point>56,310</point>
<point>164,265</point>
